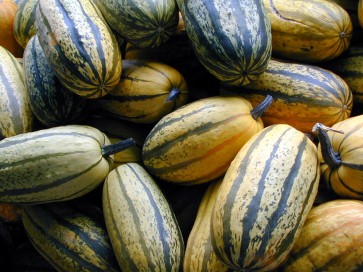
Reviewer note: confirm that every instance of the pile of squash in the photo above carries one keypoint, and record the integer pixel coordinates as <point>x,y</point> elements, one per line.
<point>181,135</point>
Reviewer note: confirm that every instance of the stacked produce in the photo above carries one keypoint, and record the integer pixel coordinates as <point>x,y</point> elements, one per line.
<point>181,135</point>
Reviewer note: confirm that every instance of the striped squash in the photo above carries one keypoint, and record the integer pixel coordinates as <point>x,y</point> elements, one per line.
<point>341,157</point>
<point>177,53</point>
<point>69,238</point>
<point>51,103</point>
<point>196,143</point>
<point>54,164</point>
<point>142,227</point>
<point>264,199</point>
<point>79,46</point>
<point>24,21</point>
<point>331,239</point>
<point>199,253</point>
<point>16,116</point>
<point>308,30</point>
<point>144,23</point>
<point>147,91</point>
<point>348,67</point>
<point>303,95</point>
<point>232,39</point>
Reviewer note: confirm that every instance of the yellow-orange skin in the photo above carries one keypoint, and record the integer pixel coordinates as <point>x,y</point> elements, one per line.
<point>8,10</point>
<point>331,239</point>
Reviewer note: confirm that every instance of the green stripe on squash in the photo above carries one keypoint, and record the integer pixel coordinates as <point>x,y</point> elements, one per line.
<point>232,39</point>
<point>141,224</point>
<point>146,24</point>
<point>264,199</point>
<point>68,238</point>
<point>79,46</point>
<point>55,164</point>
<point>16,116</point>
<point>196,143</point>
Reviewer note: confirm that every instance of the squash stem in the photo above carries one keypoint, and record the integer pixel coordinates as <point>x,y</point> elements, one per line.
<point>331,158</point>
<point>174,93</point>
<point>257,111</point>
<point>111,149</point>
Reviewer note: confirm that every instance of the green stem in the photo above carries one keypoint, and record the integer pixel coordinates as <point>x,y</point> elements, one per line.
<point>257,111</point>
<point>111,149</point>
<point>331,158</point>
<point>174,93</point>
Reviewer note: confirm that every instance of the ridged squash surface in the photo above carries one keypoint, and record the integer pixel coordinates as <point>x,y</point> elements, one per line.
<point>141,224</point>
<point>146,92</point>
<point>51,103</point>
<point>264,199</point>
<point>232,39</point>
<point>144,23</point>
<point>79,46</point>
<point>69,238</point>
<point>331,239</point>
<point>16,116</point>
<point>197,142</point>
<point>303,94</point>
<point>53,164</point>
<point>308,30</point>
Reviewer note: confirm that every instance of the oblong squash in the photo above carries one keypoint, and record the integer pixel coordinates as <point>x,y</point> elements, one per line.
<point>79,46</point>
<point>142,227</point>
<point>69,238</point>
<point>308,30</point>
<point>196,143</point>
<point>303,95</point>
<point>264,199</point>
<point>53,164</point>
<point>144,23</point>
<point>146,92</point>
<point>16,116</point>
<point>51,103</point>
<point>178,53</point>
<point>232,39</point>
<point>330,240</point>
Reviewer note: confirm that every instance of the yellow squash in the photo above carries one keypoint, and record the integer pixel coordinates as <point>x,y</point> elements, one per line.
<point>331,239</point>
<point>196,143</point>
<point>308,30</point>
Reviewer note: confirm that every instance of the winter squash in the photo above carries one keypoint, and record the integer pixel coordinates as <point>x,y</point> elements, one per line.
<point>264,199</point>
<point>8,10</point>
<point>331,239</point>
<point>196,143</point>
